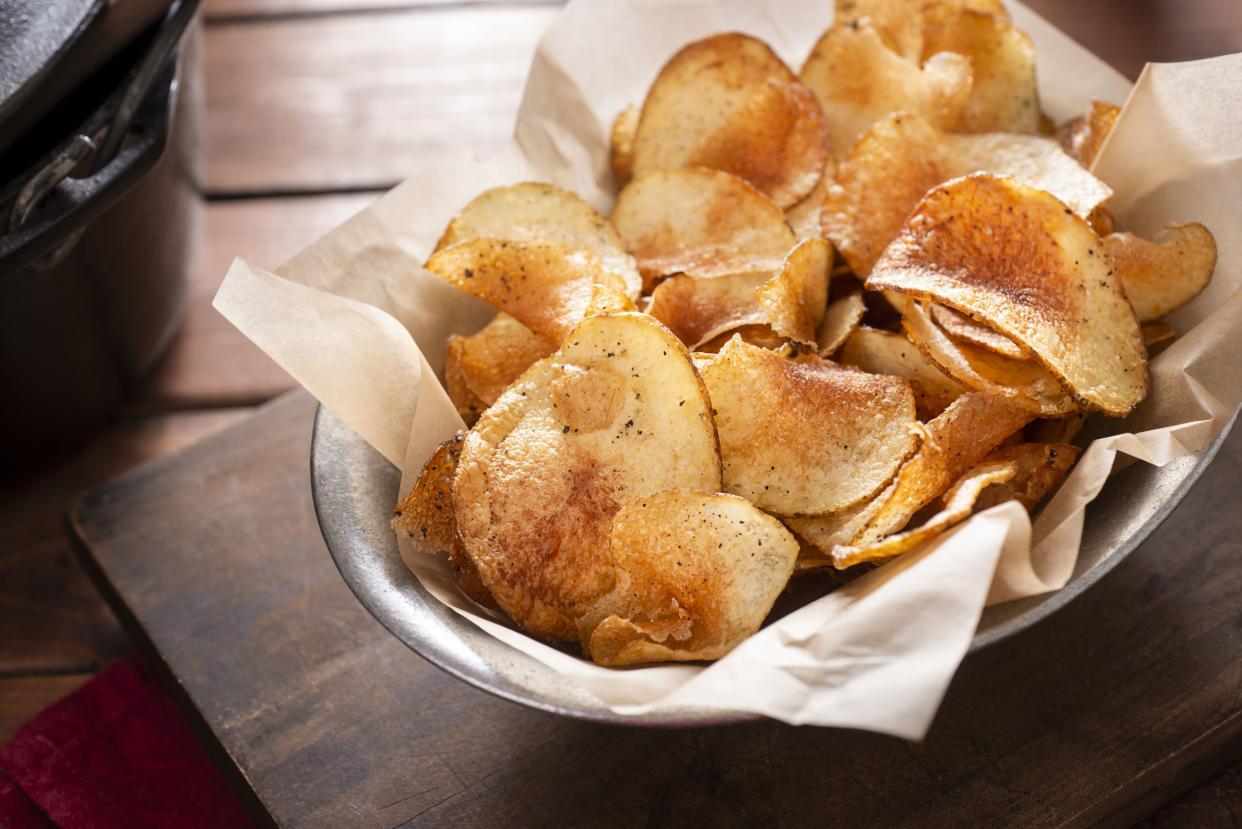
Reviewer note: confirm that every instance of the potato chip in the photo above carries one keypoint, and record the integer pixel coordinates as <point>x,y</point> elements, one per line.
<point>777,141</point>
<point>827,532</point>
<point>795,298</point>
<point>1040,467</point>
<point>1157,336</point>
<point>727,102</point>
<point>1084,137</point>
<point>700,222</point>
<point>807,437</point>
<point>963,329</point>
<point>1020,261</point>
<point>1161,276</point>
<point>882,352</point>
<point>956,440</point>
<point>760,336</point>
<point>859,80</point>
<point>1004,96</point>
<point>426,514</point>
<point>1102,221</point>
<point>902,157</point>
<point>468,578</point>
<point>697,310</point>
<point>1056,430</point>
<point>898,22</point>
<point>697,573</point>
<point>492,359</point>
<point>546,286</point>
<point>840,320</point>
<point>1025,383</point>
<point>616,415</point>
<point>621,145</point>
<point>959,504</point>
<point>467,403</point>
<point>537,212</point>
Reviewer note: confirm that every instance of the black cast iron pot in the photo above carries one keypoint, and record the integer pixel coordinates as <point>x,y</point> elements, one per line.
<point>99,210</point>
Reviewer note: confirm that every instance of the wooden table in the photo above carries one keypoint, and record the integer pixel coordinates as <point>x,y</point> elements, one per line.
<point>315,106</point>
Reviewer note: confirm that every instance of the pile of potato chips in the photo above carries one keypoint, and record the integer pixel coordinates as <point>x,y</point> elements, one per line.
<point>831,315</point>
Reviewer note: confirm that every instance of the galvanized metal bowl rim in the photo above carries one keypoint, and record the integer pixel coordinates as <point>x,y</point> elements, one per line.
<point>329,433</point>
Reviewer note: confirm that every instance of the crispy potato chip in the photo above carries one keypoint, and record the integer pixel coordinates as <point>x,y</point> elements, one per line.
<point>1163,275</point>
<point>467,403</point>
<point>621,145</point>
<point>727,102</point>
<point>426,514</point>
<point>803,217</point>
<point>1039,468</point>
<point>697,573</point>
<point>537,212</point>
<point>698,310</point>
<point>1157,336</point>
<point>898,22</point>
<point>859,80</point>
<point>902,157</point>
<point>489,361</point>
<point>1020,261</point>
<point>777,141</point>
<point>760,336</point>
<point>1004,96</point>
<point>1056,430</point>
<point>956,440</point>
<point>965,330</point>
<point>1084,137</point>
<point>700,222</point>
<point>1025,383</point>
<point>546,286</point>
<point>468,578</point>
<point>826,532</point>
<point>616,415</point>
<point>807,437</point>
<point>959,504</point>
<point>795,298</point>
<point>882,352</point>
<point>840,321</point>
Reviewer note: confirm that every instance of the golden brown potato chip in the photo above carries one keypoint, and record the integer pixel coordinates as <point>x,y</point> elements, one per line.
<point>807,437</point>
<point>824,533</point>
<point>859,80</point>
<point>621,145</point>
<point>700,222</point>
<point>840,321</point>
<point>698,310</point>
<point>1004,96</point>
<point>467,576</point>
<point>795,298</point>
<point>1025,383</point>
<point>777,141</point>
<point>426,514</point>
<point>902,157</point>
<point>803,217</point>
<point>1040,467</point>
<point>898,22</point>
<point>1163,275</point>
<point>727,102</point>
<point>467,403</point>
<point>956,440</point>
<point>965,330</point>
<point>616,415</point>
<point>697,573</point>
<point>548,287</point>
<point>1084,137</point>
<point>537,212</point>
<point>959,504</point>
<point>760,336</point>
<point>1022,262</point>
<point>1157,336</point>
<point>492,359</point>
<point>882,352</point>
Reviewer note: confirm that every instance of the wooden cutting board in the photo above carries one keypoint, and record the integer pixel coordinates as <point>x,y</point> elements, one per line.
<point>212,557</point>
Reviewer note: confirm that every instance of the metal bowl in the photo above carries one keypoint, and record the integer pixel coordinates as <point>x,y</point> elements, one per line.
<point>354,489</point>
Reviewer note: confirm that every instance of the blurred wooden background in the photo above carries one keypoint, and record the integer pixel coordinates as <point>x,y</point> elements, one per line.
<point>315,107</point>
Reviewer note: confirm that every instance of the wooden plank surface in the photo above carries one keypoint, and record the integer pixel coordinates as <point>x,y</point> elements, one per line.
<point>24,696</point>
<point>1126,696</point>
<point>361,101</point>
<point>211,363</point>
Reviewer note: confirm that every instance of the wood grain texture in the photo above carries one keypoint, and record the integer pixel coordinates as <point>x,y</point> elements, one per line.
<point>23,697</point>
<point>211,363</point>
<point>51,618</point>
<point>361,101</point>
<point>1126,696</point>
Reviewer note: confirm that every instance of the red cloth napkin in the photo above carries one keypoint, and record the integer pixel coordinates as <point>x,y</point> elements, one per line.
<point>115,753</point>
